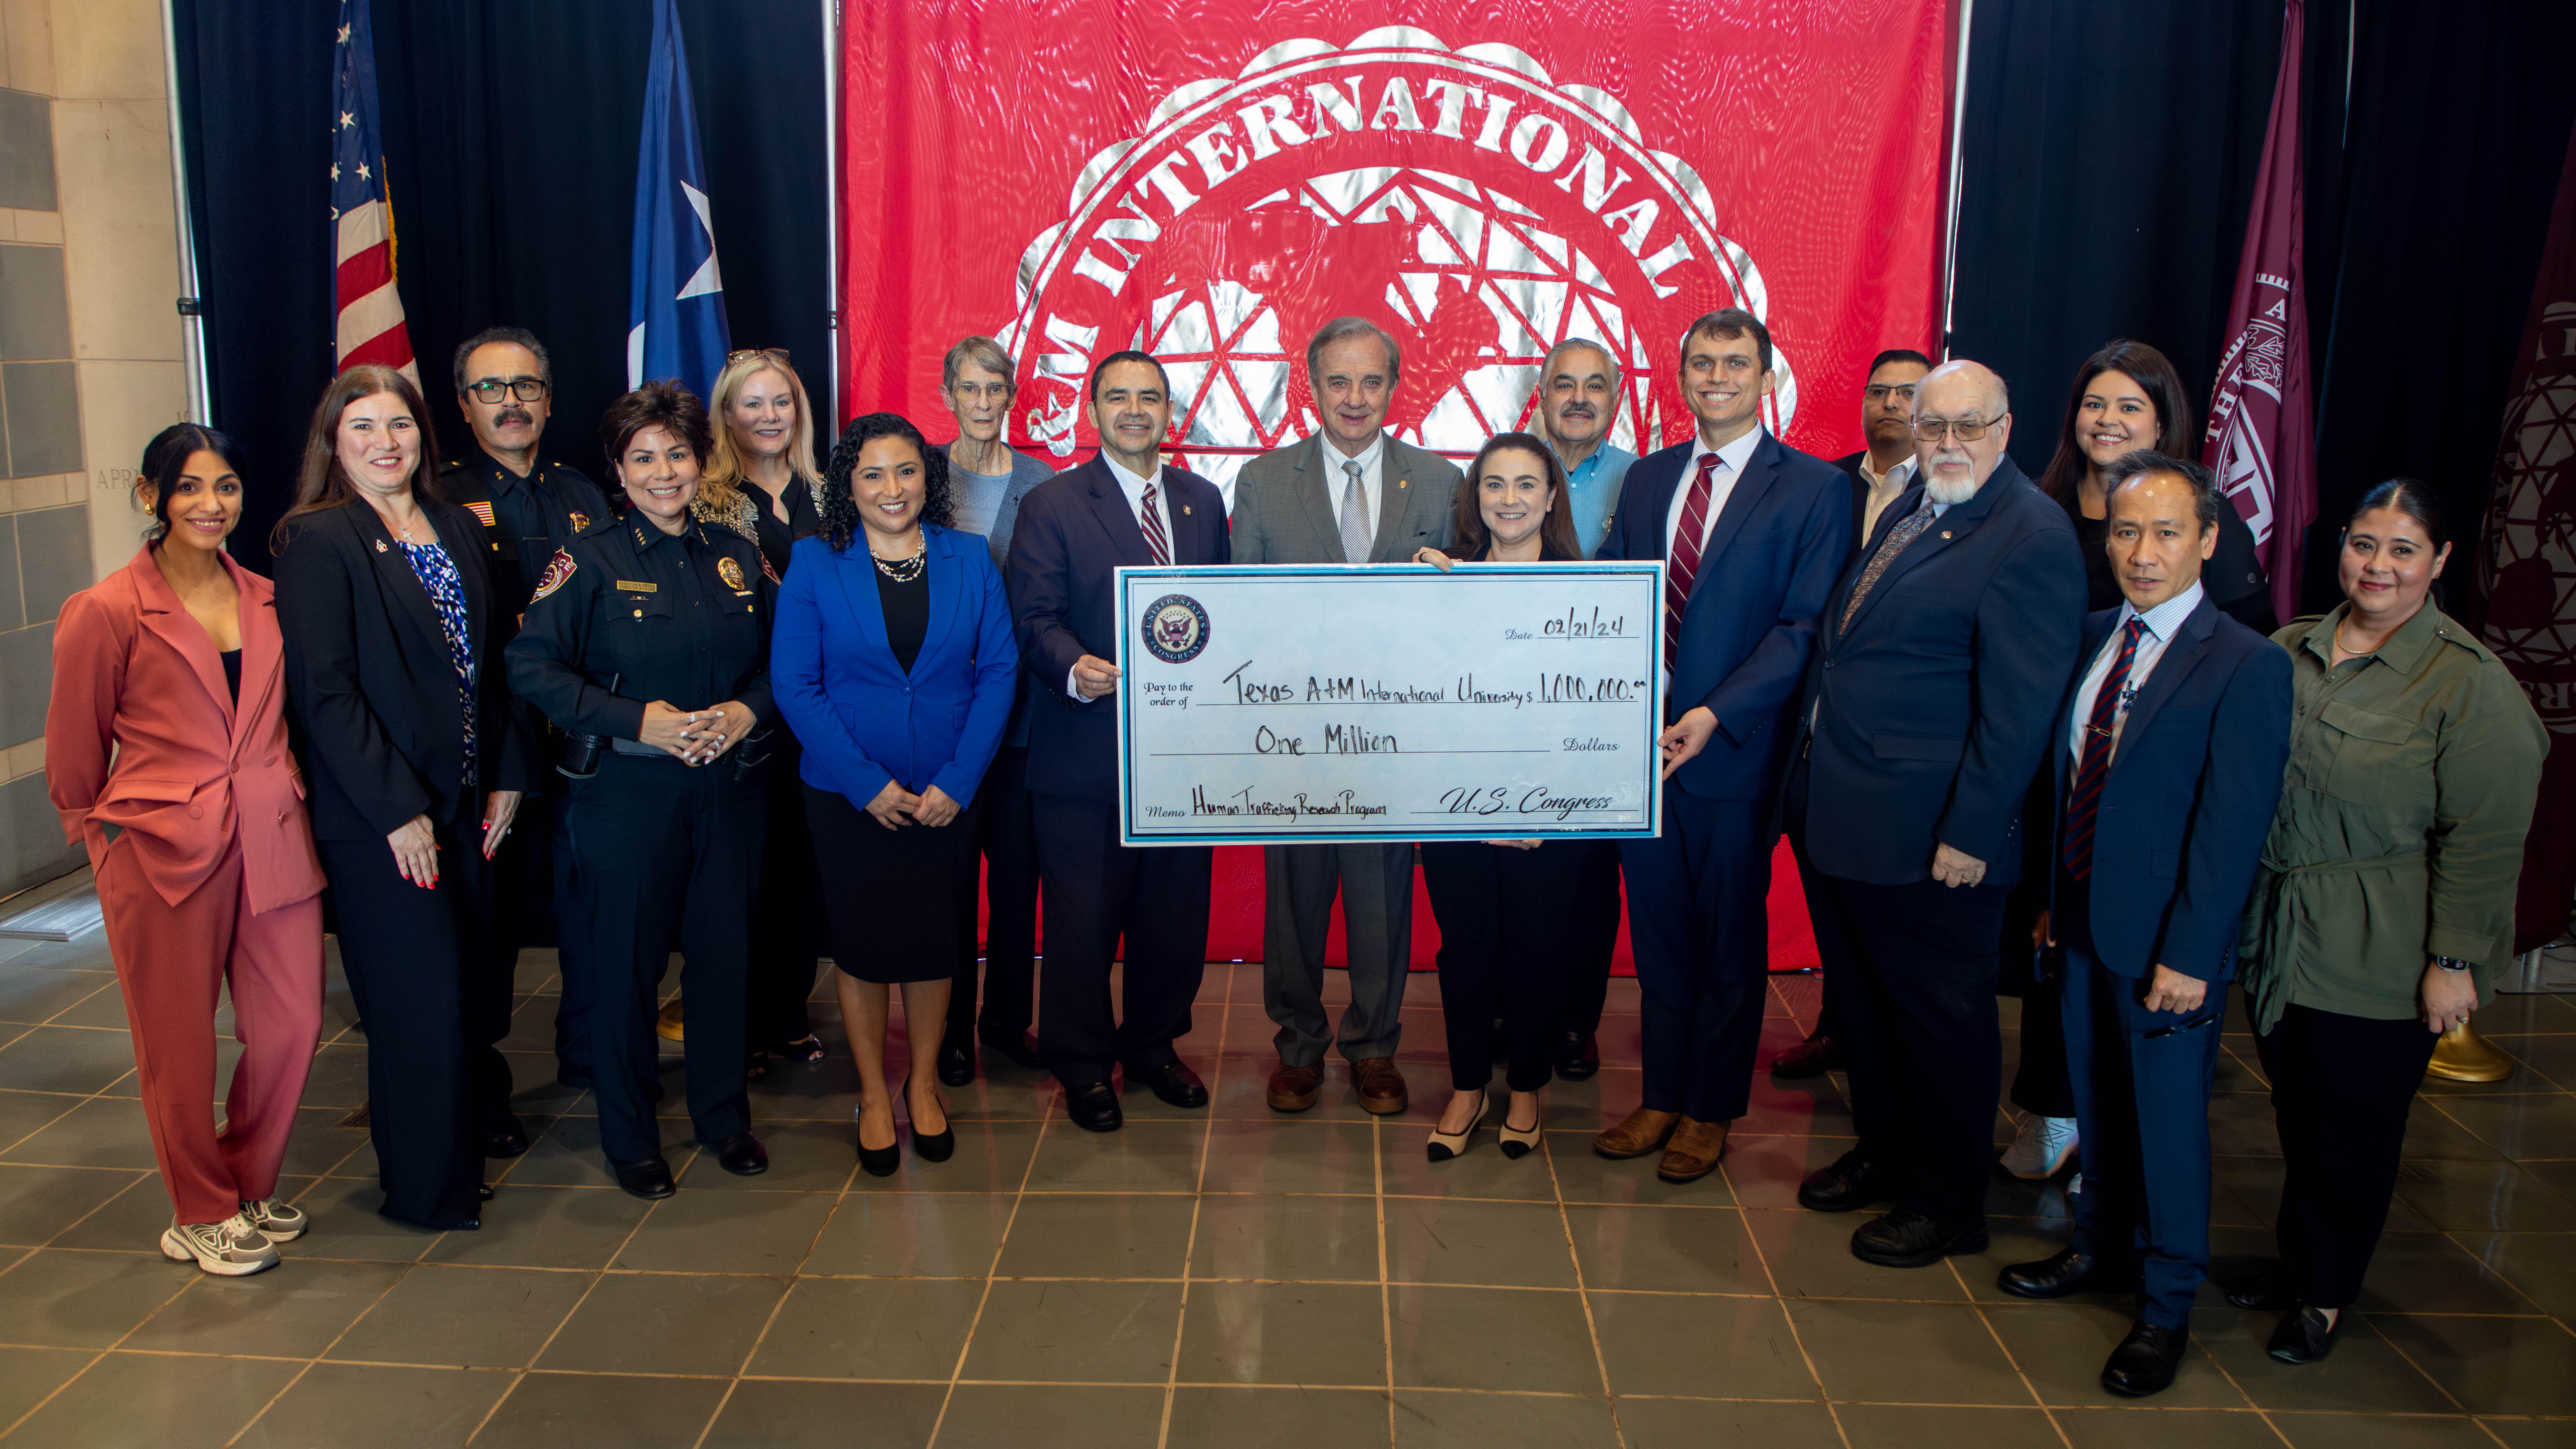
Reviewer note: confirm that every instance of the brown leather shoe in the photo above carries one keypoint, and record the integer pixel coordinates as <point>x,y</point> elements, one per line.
<point>1294,1089</point>
<point>1693,1152</point>
<point>1381,1086</point>
<point>1641,1132</point>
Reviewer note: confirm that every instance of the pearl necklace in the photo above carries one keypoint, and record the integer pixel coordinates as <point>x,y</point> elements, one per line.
<point>903,570</point>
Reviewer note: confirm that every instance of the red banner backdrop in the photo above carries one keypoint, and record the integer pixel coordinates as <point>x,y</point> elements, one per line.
<point>1485,181</point>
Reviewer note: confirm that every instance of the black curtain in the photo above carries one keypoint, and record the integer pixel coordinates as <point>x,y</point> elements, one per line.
<point>510,138</point>
<point>2109,152</point>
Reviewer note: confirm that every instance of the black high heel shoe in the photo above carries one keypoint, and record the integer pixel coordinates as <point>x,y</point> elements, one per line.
<point>876,1161</point>
<point>931,1147</point>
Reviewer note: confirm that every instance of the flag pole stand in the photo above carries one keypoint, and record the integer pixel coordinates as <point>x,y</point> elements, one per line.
<point>2464,1056</point>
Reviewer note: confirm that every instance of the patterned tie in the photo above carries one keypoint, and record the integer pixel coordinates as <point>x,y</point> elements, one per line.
<point>2095,765</point>
<point>1683,570</point>
<point>1897,538</point>
<point>1355,515</point>
<point>1155,543</point>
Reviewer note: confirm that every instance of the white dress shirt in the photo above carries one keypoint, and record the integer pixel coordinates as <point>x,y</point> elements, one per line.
<point>1133,485</point>
<point>1337,482</point>
<point>1881,489</point>
<point>2162,621</point>
<point>1730,466</point>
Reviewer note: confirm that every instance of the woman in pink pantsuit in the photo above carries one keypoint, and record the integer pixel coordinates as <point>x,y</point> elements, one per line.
<point>166,752</point>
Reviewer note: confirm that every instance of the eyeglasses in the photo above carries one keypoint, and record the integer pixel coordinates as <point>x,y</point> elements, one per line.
<point>1880,392</point>
<point>778,354</point>
<point>525,389</point>
<point>1967,430</point>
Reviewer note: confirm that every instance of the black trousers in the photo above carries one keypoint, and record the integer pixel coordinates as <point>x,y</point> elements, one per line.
<point>787,928</point>
<point>1008,841</point>
<point>1591,931</point>
<point>1503,917</point>
<point>665,854</point>
<point>2341,1089</point>
<point>1699,918</point>
<point>421,966</point>
<point>571,937</point>
<point>2041,1083</point>
<point>1099,893</point>
<point>1914,1001</point>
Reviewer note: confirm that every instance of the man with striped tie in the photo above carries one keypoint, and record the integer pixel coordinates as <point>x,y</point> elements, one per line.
<point>1125,506</point>
<point>1752,534</point>
<point>1945,651</point>
<point>2167,760</point>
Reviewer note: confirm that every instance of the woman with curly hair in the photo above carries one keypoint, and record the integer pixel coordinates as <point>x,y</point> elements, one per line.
<point>898,679</point>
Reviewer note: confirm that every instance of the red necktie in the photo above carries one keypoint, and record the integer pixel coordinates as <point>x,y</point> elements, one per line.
<point>2094,766</point>
<point>1684,569</point>
<point>1155,543</point>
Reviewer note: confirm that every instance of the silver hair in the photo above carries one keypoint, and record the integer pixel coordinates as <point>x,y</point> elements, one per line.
<point>1342,329</point>
<point>1547,368</point>
<point>981,352</point>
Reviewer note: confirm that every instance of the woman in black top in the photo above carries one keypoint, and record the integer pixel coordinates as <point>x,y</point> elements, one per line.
<point>1502,905</point>
<point>396,684</point>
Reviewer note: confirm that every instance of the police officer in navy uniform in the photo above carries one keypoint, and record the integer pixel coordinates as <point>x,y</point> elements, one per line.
<point>528,508</point>
<point>652,633</point>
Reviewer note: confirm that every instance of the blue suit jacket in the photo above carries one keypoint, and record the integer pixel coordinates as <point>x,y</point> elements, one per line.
<point>1072,530</point>
<point>862,720</point>
<point>1750,625</point>
<point>2189,800</point>
<point>1936,700</point>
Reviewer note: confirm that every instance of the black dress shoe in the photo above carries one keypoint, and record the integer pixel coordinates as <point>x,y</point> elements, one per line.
<point>509,1140</point>
<point>1173,1081</point>
<point>1578,1056</point>
<point>1093,1106</point>
<point>2268,1291</point>
<point>956,1064</point>
<point>1813,1057</point>
<point>742,1155</point>
<point>1015,1045</point>
<point>2304,1336</point>
<point>648,1179</point>
<point>2068,1271</point>
<point>1846,1183</point>
<point>2145,1361</point>
<point>1908,1239</point>
<point>483,1191</point>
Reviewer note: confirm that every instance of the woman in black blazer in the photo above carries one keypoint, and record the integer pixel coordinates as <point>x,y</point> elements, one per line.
<point>401,707</point>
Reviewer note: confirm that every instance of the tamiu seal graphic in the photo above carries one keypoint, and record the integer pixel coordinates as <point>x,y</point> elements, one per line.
<point>1176,628</point>
<point>1464,199</point>
<point>2528,564</point>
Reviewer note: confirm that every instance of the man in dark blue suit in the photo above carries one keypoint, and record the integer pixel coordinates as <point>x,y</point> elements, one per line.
<point>1125,506</point>
<point>1752,534</point>
<point>1943,655</point>
<point>2167,759</point>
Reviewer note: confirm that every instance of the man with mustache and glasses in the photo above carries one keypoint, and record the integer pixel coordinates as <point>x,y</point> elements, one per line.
<point>1927,710</point>
<point>529,508</point>
<point>1577,399</point>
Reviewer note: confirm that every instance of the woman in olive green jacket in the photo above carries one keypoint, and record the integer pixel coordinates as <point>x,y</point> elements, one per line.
<point>2384,906</point>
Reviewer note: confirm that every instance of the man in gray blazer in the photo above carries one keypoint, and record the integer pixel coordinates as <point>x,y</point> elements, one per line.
<point>1348,494</point>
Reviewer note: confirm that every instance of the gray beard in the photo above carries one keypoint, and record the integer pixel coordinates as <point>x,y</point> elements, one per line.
<point>1947,494</point>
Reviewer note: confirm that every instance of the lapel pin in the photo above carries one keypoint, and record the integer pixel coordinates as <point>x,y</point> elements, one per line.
<point>1185,510</point>
<point>1945,533</point>
<point>380,546</point>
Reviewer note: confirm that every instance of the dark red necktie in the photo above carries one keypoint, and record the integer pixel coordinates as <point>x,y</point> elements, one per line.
<point>2094,765</point>
<point>1684,568</point>
<point>1155,543</point>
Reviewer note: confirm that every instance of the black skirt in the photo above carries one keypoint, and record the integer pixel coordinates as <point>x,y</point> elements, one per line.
<point>893,896</point>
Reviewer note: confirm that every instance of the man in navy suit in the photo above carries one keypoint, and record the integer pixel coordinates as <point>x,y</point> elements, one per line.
<point>1752,534</point>
<point>2167,759</point>
<point>1942,658</point>
<point>1125,506</point>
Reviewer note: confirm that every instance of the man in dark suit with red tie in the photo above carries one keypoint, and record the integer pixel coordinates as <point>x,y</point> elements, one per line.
<point>1943,656</point>
<point>1125,506</point>
<point>1753,535</point>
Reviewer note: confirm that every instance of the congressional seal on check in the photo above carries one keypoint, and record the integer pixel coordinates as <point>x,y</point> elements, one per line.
<point>1269,705</point>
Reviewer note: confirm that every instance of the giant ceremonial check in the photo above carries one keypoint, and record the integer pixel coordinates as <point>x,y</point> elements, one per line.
<point>1268,705</point>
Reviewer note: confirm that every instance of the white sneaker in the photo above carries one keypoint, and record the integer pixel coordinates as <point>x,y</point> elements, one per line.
<point>278,1220</point>
<point>229,1249</point>
<point>2042,1147</point>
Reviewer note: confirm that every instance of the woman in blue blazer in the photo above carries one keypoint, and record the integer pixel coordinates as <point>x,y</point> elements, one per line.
<point>894,664</point>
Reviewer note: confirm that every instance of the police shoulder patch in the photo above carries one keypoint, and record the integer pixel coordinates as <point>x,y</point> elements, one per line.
<point>558,569</point>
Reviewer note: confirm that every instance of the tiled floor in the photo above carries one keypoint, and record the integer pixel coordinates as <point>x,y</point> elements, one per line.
<point>1226,1277</point>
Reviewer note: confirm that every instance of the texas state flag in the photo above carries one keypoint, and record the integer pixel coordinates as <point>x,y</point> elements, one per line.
<point>675,299</point>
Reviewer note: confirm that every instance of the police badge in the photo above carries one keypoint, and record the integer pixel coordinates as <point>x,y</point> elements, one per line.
<point>1176,628</point>
<point>731,573</point>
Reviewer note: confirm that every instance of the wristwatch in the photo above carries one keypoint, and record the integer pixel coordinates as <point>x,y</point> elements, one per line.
<point>2451,963</point>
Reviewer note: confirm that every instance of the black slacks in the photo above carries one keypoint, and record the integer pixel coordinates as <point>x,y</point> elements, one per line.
<point>1503,915</point>
<point>665,854</point>
<point>421,966</point>
<point>1699,920</point>
<point>2341,1090</point>
<point>2041,1084</point>
<point>1591,930</point>
<point>1008,841</point>
<point>1099,893</point>
<point>787,929</point>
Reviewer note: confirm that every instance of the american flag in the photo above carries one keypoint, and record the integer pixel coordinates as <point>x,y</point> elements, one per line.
<point>362,214</point>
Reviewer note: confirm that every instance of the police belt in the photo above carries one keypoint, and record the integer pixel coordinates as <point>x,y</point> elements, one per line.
<point>642,750</point>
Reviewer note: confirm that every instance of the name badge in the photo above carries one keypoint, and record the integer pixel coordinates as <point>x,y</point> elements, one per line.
<point>633,587</point>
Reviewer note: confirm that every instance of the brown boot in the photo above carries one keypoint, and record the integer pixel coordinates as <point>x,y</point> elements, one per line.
<point>1642,1132</point>
<point>1381,1086</point>
<point>1294,1089</point>
<point>1693,1152</point>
